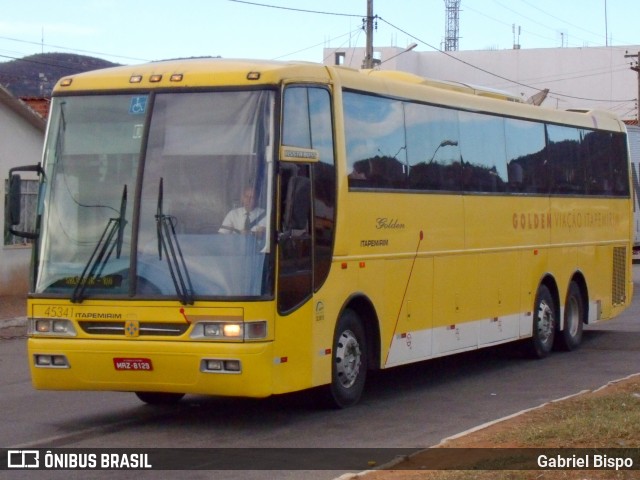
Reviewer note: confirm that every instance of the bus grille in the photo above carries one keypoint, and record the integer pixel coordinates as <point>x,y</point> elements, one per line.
<point>619,280</point>
<point>117,328</point>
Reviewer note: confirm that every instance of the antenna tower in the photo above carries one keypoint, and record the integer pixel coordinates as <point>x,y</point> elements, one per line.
<point>453,25</point>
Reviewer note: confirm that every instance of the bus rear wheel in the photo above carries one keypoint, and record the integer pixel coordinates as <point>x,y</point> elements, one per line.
<point>571,336</point>
<point>159,398</point>
<point>349,364</point>
<point>544,323</point>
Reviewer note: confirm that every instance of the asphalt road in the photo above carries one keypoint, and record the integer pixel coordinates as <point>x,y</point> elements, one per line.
<point>413,406</point>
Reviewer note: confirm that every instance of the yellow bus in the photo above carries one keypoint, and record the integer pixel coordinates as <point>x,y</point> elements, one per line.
<point>247,228</point>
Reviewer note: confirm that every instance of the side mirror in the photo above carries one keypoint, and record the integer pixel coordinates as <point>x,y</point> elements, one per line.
<point>14,207</point>
<point>14,197</point>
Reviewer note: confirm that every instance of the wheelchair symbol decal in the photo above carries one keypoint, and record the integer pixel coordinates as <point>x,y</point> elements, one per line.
<point>138,105</point>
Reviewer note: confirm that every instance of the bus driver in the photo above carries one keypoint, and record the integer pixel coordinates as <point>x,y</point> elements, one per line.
<point>249,218</point>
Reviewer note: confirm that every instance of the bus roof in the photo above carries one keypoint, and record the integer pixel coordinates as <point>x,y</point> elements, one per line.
<point>191,73</point>
<point>446,85</point>
<point>215,72</point>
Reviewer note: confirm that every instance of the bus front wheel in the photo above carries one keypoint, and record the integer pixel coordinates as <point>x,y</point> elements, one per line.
<point>544,323</point>
<point>349,365</point>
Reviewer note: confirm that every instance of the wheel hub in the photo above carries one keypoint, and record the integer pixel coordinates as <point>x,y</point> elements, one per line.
<point>348,359</point>
<point>573,317</point>
<point>545,322</point>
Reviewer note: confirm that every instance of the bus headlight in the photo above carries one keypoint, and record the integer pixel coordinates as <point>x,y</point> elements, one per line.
<point>230,331</point>
<point>222,330</point>
<point>210,329</point>
<point>57,327</point>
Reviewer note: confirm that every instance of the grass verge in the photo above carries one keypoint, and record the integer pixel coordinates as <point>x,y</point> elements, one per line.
<point>608,418</point>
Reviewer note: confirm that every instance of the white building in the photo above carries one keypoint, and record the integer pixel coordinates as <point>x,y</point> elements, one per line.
<point>583,78</point>
<point>21,142</point>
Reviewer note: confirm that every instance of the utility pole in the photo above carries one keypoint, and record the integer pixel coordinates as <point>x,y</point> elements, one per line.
<point>368,54</point>
<point>636,68</point>
<point>606,26</point>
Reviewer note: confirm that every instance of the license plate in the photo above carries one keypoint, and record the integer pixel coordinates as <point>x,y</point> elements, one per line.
<point>133,364</point>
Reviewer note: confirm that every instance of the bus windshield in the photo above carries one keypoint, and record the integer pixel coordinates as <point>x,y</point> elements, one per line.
<point>165,194</point>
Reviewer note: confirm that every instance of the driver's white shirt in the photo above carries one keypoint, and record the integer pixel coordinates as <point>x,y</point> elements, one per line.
<point>235,220</point>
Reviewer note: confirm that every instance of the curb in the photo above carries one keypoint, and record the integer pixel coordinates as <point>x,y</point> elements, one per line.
<point>13,322</point>
<point>508,417</point>
<point>389,465</point>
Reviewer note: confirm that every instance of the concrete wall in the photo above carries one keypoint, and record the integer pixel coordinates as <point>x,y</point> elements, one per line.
<point>21,143</point>
<point>575,76</point>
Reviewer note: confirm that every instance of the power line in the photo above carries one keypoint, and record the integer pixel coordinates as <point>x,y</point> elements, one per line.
<point>577,75</point>
<point>532,20</point>
<point>104,54</point>
<point>296,9</point>
<point>511,81</point>
<point>495,74</point>
<point>562,20</point>
<point>510,25</point>
<point>73,49</point>
<point>348,34</point>
<point>64,67</point>
<point>317,12</point>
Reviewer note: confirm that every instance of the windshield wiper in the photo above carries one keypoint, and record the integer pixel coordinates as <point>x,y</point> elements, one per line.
<point>110,240</point>
<point>168,242</point>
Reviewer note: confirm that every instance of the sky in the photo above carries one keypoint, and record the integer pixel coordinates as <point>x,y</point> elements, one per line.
<point>137,31</point>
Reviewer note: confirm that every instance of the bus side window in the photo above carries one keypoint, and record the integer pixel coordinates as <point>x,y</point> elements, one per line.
<point>297,206</point>
<point>526,159</point>
<point>376,141</point>
<point>294,242</point>
<point>516,176</point>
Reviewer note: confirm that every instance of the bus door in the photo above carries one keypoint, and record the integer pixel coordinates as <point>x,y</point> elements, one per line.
<point>306,224</point>
<point>295,274</point>
<point>307,185</point>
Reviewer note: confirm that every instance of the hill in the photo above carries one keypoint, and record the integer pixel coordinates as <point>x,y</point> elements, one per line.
<point>35,75</point>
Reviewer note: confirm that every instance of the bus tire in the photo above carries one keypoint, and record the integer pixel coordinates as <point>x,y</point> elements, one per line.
<point>159,398</point>
<point>571,336</point>
<point>544,323</point>
<point>349,361</point>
